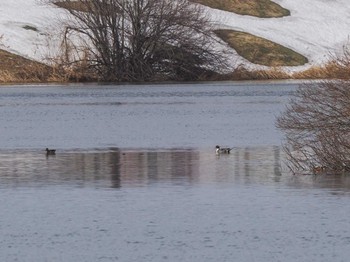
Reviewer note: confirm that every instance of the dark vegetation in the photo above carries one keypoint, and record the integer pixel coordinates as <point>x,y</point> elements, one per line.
<point>317,128</point>
<point>140,40</point>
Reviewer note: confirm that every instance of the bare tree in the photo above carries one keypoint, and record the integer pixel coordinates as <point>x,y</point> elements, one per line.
<point>317,127</point>
<point>138,40</point>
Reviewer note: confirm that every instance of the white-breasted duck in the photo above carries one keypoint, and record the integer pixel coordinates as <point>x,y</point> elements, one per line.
<point>222,150</point>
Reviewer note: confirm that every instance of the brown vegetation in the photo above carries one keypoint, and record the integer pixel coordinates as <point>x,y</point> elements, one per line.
<point>73,5</point>
<point>316,124</point>
<point>316,121</point>
<point>334,69</point>
<point>259,50</point>
<point>258,8</point>
<point>15,68</point>
<point>242,73</point>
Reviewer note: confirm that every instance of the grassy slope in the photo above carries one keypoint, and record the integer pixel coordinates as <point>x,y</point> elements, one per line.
<point>15,68</point>
<point>255,49</point>
<point>259,50</point>
<point>258,8</point>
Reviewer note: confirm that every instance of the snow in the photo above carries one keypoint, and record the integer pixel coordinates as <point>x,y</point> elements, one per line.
<point>315,29</point>
<point>15,15</point>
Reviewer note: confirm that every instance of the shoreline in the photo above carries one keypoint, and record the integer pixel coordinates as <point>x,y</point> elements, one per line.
<point>214,82</point>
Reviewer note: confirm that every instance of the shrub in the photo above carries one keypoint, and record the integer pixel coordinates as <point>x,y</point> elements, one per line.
<point>317,127</point>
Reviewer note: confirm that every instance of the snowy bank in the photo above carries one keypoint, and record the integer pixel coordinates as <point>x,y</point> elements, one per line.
<point>315,29</point>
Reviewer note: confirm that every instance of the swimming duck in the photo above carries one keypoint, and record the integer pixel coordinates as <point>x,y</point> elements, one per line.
<point>222,150</point>
<point>50,151</point>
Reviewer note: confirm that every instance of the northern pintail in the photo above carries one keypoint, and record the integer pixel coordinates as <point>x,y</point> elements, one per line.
<point>222,150</point>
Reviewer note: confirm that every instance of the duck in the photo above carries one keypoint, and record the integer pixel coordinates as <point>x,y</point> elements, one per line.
<point>222,150</point>
<point>50,151</point>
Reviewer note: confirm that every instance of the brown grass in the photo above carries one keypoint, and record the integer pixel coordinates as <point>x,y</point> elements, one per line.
<point>331,70</point>
<point>261,51</point>
<point>74,5</point>
<point>258,8</point>
<point>242,73</point>
<point>15,68</point>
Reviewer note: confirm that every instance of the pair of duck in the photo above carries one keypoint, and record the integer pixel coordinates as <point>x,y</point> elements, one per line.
<point>222,150</point>
<point>218,150</point>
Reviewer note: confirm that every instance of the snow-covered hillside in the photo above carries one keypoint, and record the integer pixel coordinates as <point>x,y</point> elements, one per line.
<point>25,26</point>
<point>315,29</point>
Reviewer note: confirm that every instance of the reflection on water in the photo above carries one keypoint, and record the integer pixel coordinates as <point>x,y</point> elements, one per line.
<point>129,168</point>
<point>112,168</point>
<point>168,205</point>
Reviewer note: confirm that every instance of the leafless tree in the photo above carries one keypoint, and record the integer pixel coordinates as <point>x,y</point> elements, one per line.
<point>317,127</point>
<point>140,40</point>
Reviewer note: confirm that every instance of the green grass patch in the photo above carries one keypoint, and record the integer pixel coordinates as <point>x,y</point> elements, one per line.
<point>258,8</point>
<point>260,50</point>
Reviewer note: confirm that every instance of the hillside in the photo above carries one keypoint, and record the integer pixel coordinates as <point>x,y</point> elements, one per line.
<point>314,28</point>
<point>15,68</point>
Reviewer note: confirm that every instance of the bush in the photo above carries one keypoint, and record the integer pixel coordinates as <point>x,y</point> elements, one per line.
<point>317,127</point>
<point>140,40</point>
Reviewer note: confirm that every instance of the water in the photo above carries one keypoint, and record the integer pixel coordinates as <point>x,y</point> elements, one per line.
<point>135,177</point>
<point>140,116</point>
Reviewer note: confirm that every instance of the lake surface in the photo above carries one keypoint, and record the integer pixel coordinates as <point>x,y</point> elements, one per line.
<point>136,178</point>
<point>141,116</point>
